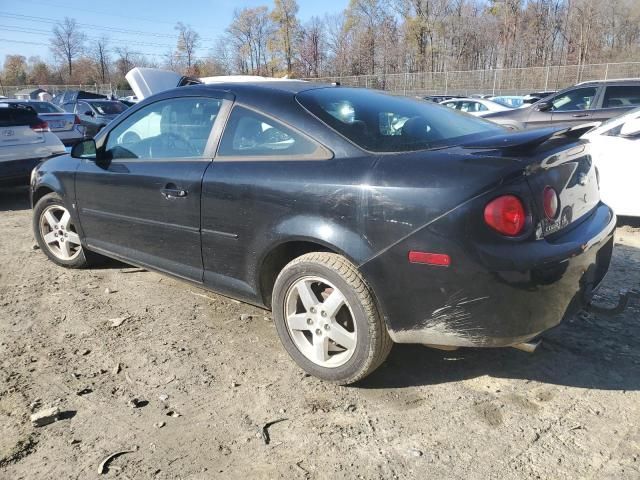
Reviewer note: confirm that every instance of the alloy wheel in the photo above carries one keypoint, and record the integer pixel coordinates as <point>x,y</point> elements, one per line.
<point>320,321</point>
<point>59,233</point>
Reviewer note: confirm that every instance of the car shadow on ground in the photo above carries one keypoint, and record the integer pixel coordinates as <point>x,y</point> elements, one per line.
<point>14,198</point>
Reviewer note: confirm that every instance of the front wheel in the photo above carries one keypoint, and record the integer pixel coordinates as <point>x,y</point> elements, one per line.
<point>327,319</point>
<point>56,234</point>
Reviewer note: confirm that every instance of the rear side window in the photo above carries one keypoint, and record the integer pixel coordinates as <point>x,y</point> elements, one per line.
<point>253,136</point>
<point>379,122</point>
<point>621,96</point>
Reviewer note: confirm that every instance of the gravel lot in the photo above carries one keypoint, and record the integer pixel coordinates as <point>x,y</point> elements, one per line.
<point>188,379</point>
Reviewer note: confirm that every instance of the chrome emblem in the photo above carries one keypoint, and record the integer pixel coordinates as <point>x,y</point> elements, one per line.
<point>582,179</point>
<point>8,133</point>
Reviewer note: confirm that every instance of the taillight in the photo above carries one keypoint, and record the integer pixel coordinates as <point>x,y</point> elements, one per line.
<point>550,202</point>
<point>40,126</point>
<point>506,215</point>
<point>76,120</point>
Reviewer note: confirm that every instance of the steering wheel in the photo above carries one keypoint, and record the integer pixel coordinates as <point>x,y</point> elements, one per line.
<point>171,145</point>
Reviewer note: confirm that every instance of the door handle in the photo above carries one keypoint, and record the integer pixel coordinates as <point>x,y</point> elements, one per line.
<point>578,115</point>
<point>173,192</point>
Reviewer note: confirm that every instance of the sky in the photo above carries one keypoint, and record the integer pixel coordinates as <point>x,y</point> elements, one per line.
<point>143,25</point>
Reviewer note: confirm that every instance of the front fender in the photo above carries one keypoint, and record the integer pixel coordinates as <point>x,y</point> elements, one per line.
<point>56,175</point>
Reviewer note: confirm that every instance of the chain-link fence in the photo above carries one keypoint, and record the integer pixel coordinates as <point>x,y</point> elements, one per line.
<point>502,81</point>
<point>104,89</point>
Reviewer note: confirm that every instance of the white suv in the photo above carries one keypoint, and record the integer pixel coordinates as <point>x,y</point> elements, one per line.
<point>25,140</point>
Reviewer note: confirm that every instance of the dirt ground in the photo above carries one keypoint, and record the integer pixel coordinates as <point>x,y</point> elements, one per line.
<point>188,380</point>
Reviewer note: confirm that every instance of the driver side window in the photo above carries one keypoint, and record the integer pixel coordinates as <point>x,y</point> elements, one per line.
<point>173,128</point>
<point>578,99</point>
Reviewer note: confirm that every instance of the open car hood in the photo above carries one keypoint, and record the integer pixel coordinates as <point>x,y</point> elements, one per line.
<point>149,81</point>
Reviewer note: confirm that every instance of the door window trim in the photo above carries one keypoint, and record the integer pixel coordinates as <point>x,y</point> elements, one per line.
<point>212,141</point>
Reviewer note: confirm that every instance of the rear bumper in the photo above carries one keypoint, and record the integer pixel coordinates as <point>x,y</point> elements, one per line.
<point>491,295</point>
<point>17,172</point>
<point>73,136</point>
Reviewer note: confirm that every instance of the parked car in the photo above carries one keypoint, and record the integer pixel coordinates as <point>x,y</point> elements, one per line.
<point>71,96</point>
<point>309,199</point>
<point>94,110</point>
<point>615,147</point>
<point>511,101</point>
<point>477,107</point>
<point>25,140</point>
<point>95,114</point>
<point>533,97</point>
<point>440,98</point>
<point>66,126</point>
<point>587,102</point>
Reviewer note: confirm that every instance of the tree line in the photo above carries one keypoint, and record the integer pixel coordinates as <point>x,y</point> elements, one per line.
<point>368,37</point>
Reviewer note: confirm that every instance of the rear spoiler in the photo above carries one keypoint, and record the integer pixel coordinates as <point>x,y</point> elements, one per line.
<point>519,142</point>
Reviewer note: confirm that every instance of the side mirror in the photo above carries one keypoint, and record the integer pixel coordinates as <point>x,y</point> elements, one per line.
<point>85,149</point>
<point>543,106</point>
<point>631,128</point>
<point>89,113</point>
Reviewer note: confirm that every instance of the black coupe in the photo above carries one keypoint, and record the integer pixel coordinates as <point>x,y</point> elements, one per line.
<point>360,218</point>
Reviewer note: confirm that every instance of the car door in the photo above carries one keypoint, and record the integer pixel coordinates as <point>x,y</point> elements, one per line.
<point>237,198</point>
<point>618,164</point>
<point>617,99</point>
<point>573,107</point>
<point>142,203</point>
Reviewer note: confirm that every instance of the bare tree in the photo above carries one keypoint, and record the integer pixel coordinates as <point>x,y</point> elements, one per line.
<point>188,42</point>
<point>67,42</point>
<point>250,31</point>
<point>125,60</point>
<point>312,47</point>
<point>284,16</point>
<point>100,52</point>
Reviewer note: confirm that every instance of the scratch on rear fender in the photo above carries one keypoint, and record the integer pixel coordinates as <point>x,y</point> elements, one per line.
<point>447,325</point>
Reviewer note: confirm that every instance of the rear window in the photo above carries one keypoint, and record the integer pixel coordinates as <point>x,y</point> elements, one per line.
<point>45,107</point>
<point>379,122</point>
<point>13,116</point>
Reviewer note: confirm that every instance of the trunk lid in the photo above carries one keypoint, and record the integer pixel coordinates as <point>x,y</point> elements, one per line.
<point>19,135</point>
<point>553,157</point>
<point>58,122</point>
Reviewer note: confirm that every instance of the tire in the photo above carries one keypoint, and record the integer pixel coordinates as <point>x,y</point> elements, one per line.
<point>311,335</point>
<point>42,225</point>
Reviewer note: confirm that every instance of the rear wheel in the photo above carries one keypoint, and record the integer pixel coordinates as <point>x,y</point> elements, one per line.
<point>56,233</point>
<point>327,318</point>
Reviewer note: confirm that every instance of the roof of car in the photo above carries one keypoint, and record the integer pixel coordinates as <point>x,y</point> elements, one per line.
<point>610,80</point>
<point>289,86</point>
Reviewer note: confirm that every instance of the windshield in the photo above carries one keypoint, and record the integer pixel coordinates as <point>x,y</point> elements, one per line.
<point>108,108</point>
<point>379,122</point>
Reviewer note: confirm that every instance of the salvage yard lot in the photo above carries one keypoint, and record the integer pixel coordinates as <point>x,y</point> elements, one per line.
<point>186,380</point>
